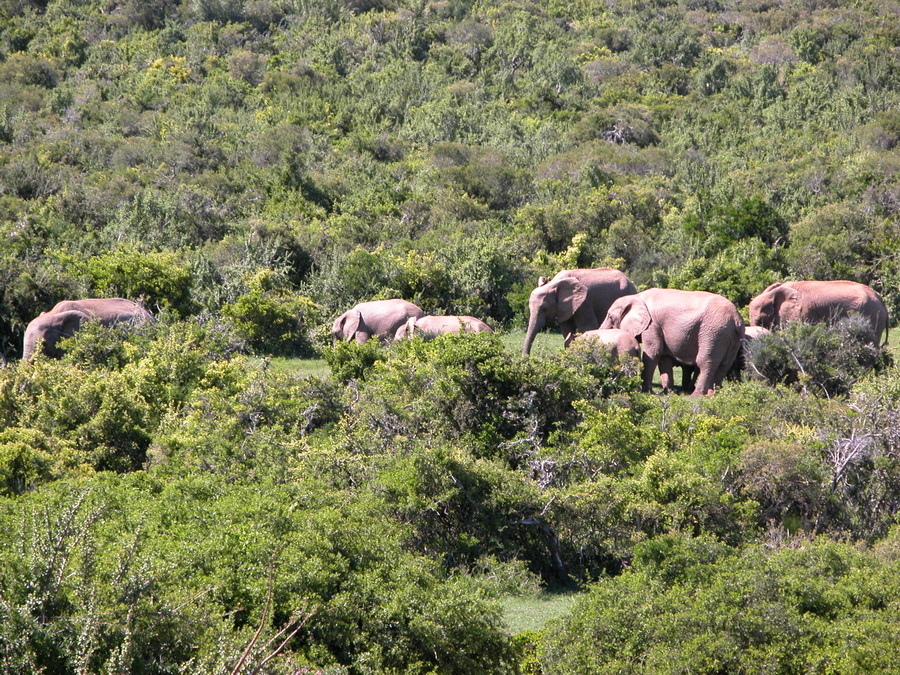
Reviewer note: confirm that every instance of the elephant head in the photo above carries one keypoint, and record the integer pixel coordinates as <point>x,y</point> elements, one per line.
<point>407,329</point>
<point>628,313</point>
<point>346,325</point>
<point>51,328</point>
<point>558,299</point>
<point>776,305</point>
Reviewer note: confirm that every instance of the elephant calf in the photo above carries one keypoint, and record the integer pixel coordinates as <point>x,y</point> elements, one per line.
<point>438,325</point>
<point>615,340</point>
<point>67,317</point>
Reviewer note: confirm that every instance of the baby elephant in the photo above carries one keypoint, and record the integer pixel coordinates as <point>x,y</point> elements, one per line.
<point>431,326</point>
<point>615,340</point>
<point>66,318</point>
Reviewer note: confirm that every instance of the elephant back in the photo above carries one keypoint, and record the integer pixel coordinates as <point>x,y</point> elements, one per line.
<point>604,286</point>
<point>107,310</point>
<point>824,301</point>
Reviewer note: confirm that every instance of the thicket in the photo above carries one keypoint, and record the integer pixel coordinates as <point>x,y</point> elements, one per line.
<point>173,501</point>
<point>199,154</point>
<point>170,502</point>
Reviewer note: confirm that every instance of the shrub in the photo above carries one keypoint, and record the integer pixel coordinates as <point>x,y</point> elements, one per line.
<point>789,481</point>
<point>208,564</point>
<point>464,509</point>
<point>739,272</point>
<point>820,358</point>
<point>26,460</point>
<point>351,361</point>
<point>709,609</point>
<point>156,277</point>
<point>467,388</point>
<point>273,319</point>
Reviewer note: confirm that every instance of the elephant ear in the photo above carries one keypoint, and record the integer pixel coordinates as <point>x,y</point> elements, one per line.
<point>407,328</point>
<point>70,322</point>
<point>351,324</point>
<point>635,317</point>
<point>570,295</point>
<point>788,302</point>
<point>772,287</point>
<point>64,325</point>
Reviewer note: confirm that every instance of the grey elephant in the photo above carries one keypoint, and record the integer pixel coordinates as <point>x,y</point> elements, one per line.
<point>67,317</point>
<point>615,340</point>
<point>689,373</point>
<point>377,317</point>
<point>818,302</point>
<point>430,326</point>
<point>693,328</point>
<point>577,299</point>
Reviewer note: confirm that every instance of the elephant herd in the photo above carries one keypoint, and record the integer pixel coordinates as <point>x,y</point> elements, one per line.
<point>699,331</point>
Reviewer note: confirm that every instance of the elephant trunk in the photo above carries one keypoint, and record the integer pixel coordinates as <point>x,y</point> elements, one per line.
<point>534,325</point>
<point>30,342</point>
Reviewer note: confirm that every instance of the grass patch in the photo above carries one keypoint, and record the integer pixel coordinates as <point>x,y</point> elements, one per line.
<point>532,612</point>
<point>301,367</point>
<point>544,343</point>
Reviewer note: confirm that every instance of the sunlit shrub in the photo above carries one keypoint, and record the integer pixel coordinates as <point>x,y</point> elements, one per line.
<point>790,482</point>
<point>274,319</point>
<point>463,509</point>
<point>209,564</point>
<point>832,243</point>
<point>739,272</point>
<point>483,173</point>
<point>31,68</point>
<point>26,460</point>
<point>351,361</point>
<point>712,610</point>
<point>158,278</point>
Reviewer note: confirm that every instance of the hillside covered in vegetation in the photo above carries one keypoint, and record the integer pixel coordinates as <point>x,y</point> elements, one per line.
<point>180,498</point>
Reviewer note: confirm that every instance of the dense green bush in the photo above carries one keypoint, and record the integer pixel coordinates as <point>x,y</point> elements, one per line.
<point>698,604</point>
<point>155,277</point>
<point>209,563</point>
<point>824,359</point>
<point>251,169</point>
<point>274,320</point>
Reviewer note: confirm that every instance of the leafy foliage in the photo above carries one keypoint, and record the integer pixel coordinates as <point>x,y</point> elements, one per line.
<point>828,359</point>
<point>175,499</point>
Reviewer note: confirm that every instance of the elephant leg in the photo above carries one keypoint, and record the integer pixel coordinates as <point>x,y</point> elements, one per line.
<point>666,376</point>
<point>649,367</point>
<point>712,374</point>
<point>361,337</point>
<point>721,373</point>
<point>568,331</point>
<point>688,378</point>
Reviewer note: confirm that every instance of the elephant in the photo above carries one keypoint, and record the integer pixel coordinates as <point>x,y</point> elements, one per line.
<point>438,325</point>
<point>67,317</point>
<point>818,302</point>
<point>577,299</point>
<point>377,317</point>
<point>615,340</point>
<point>693,328</point>
<point>689,373</point>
